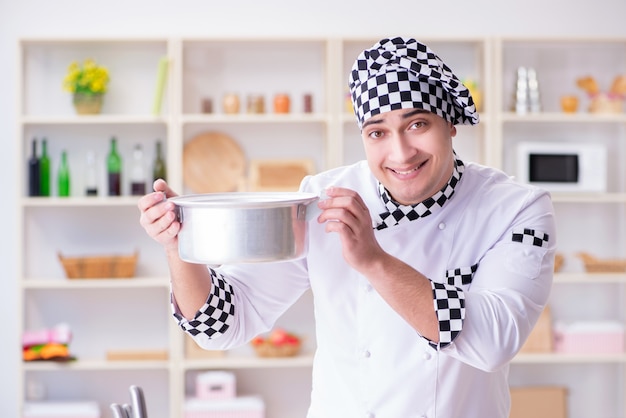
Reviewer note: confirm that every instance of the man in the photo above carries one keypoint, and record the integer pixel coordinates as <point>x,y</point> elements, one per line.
<point>428,274</point>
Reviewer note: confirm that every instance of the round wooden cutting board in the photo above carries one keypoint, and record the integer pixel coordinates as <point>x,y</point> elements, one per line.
<point>213,162</point>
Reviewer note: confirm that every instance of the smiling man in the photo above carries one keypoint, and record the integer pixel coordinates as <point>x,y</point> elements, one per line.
<point>428,273</point>
<point>410,152</point>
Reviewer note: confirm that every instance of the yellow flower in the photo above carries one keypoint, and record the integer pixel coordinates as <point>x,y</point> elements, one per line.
<point>88,79</point>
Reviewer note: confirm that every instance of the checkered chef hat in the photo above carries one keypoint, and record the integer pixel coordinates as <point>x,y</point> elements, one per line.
<point>402,73</point>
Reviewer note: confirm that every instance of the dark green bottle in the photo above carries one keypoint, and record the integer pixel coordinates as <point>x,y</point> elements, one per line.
<point>63,176</point>
<point>159,170</point>
<point>33,171</point>
<point>114,170</point>
<point>44,170</point>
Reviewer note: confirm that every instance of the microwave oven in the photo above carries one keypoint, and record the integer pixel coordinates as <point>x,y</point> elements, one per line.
<point>563,167</point>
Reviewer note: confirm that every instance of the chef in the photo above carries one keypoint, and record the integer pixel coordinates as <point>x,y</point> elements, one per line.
<point>428,272</point>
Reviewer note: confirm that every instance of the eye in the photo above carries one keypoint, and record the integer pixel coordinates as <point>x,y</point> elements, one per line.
<point>375,134</point>
<point>418,124</point>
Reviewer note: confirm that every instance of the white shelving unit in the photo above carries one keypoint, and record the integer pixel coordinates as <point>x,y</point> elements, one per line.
<point>590,222</point>
<point>103,314</point>
<point>134,313</point>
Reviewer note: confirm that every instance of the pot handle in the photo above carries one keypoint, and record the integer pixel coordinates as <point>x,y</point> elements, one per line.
<point>178,211</point>
<point>312,210</point>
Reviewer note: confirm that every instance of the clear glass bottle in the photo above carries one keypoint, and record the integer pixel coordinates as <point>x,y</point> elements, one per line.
<point>159,168</point>
<point>138,173</point>
<point>114,170</point>
<point>33,170</point>
<point>63,176</point>
<point>91,175</point>
<point>44,170</point>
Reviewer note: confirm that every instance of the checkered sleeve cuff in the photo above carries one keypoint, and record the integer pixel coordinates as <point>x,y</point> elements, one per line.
<point>449,304</point>
<point>216,315</point>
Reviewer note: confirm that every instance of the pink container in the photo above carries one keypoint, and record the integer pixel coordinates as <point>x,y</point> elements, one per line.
<point>241,407</point>
<point>215,385</point>
<point>589,337</point>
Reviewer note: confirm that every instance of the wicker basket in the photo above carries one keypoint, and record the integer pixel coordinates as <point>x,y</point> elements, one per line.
<point>595,265</point>
<point>110,267</point>
<point>267,349</point>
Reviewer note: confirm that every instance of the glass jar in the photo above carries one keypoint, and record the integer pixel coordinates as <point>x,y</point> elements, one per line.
<point>281,103</point>
<point>230,103</point>
<point>307,104</point>
<point>256,104</point>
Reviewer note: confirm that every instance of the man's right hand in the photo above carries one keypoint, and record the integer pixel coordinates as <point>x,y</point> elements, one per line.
<point>158,216</point>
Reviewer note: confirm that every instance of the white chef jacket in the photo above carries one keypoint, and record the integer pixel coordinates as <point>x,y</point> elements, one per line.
<point>369,362</point>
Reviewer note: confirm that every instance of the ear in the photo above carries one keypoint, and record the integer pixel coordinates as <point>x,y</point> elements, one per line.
<point>452,130</point>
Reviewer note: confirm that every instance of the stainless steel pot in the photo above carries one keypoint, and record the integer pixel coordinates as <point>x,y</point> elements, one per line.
<point>229,228</point>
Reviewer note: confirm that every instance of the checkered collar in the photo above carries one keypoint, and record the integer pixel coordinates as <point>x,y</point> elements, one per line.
<point>397,213</point>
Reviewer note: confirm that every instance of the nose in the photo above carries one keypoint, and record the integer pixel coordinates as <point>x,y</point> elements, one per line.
<point>401,149</point>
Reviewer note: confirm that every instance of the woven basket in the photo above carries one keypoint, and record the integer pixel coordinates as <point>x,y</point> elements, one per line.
<point>267,349</point>
<point>111,267</point>
<point>595,265</point>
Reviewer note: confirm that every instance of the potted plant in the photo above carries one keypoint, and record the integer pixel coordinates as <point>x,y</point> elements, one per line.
<point>88,83</point>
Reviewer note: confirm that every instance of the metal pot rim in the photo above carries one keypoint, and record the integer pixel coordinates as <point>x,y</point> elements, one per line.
<point>244,199</point>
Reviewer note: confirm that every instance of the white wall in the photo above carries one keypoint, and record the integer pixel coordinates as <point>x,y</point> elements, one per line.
<point>327,18</point>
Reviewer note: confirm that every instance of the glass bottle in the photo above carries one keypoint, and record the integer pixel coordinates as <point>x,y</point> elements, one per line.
<point>44,170</point>
<point>114,170</point>
<point>91,175</point>
<point>138,173</point>
<point>159,170</point>
<point>63,176</point>
<point>33,171</point>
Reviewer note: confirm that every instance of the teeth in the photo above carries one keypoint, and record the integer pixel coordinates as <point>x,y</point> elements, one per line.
<point>405,172</point>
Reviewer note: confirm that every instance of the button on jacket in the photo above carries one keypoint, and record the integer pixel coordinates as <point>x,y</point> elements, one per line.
<point>493,241</point>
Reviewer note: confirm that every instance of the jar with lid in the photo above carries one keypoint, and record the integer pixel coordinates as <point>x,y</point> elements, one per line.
<point>207,105</point>
<point>256,103</point>
<point>307,103</point>
<point>281,103</point>
<point>230,103</point>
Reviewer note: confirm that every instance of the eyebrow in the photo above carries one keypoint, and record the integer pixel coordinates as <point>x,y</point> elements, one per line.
<point>414,112</point>
<point>407,115</point>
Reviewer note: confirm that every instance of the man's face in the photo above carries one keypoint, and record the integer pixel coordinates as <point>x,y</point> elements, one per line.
<point>410,152</point>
